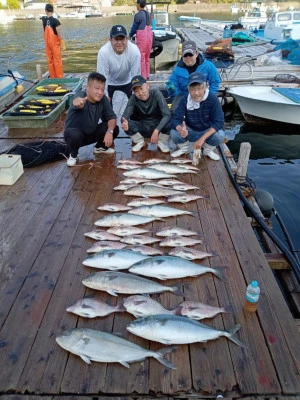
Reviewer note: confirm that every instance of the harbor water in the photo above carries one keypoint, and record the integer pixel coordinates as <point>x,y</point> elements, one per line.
<point>275,156</point>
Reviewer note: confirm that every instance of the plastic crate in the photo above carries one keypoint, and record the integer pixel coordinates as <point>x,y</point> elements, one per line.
<point>73,84</point>
<point>34,121</point>
<point>11,168</point>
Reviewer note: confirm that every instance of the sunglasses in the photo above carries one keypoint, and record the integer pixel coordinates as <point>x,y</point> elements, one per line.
<point>189,55</point>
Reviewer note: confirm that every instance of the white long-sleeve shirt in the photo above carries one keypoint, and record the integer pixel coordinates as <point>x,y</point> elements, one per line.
<point>119,69</point>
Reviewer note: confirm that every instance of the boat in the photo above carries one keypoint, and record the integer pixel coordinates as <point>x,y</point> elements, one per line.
<point>190,19</point>
<point>272,103</point>
<point>283,25</point>
<point>7,86</point>
<point>73,15</point>
<point>256,18</point>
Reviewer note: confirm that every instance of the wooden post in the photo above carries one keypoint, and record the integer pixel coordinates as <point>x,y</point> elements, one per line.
<point>39,72</point>
<point>242,164</point>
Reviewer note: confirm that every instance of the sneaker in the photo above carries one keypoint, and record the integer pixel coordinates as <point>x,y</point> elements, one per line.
<point>140,144</point>
<point>211,154</point>
<point>109,150</point>
<point>180,152</point>
<point>71,162</point>
<point>163,147</point>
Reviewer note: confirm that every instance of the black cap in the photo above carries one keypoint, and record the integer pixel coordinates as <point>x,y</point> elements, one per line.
<point>189,47</point>
<point>49,7</point>
<point>118,30</point>
<point>196,77</point>
<point>138,80</point>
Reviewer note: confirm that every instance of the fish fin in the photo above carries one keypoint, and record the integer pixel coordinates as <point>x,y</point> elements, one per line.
<point>85,358</point>
<point>161,277</point>
<point>111,292</point>
<point>231,331</point>
<point>161,356</point>
<point>124,363</point>
<point>218,271</point>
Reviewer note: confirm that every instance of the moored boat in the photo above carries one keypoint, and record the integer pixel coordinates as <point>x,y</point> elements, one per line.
<point>256,18</point>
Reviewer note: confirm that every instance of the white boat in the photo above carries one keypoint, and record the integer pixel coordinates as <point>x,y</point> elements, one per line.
<point>190,19</point>
<point>283,25</point>
<point>73,15</point>
<point>256,18</point>
<point>273,103</point>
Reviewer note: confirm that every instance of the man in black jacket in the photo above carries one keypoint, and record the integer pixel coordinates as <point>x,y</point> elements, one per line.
<point>147,116</point>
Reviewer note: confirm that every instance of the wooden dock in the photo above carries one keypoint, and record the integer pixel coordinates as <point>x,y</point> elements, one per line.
<point>44,216</point>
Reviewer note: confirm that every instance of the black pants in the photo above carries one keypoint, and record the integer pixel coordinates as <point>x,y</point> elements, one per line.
<point>76,138</point>
<point>127,89</point>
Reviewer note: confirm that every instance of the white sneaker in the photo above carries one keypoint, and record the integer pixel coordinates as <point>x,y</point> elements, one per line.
<point>71,162</point>
<point>139,145</point>
<point>211,154</point>
<point>182,150</point>
<point>163,147</point>
<point>98,150</point>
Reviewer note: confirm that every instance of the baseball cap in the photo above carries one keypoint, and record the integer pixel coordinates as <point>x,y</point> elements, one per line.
<point>118,30</point>
<point>196,77</point>
<point>189,47</point>
<point>138,80</point>
<point>49,7</point>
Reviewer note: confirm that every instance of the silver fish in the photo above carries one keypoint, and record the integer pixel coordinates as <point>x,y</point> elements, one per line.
<point>173,329</point>
<point>150,191</point>
<point>105,245</point>
<point>159,211</point>
<point>176,231</point>
<point>147,250</point>
<point>142,306</point>
<point>179,241</point>
<point>124,219</point>
<point>168,267</point>
<point>155,161</point>
<point>184,187</point>
<point>147,173</point>
<point>183,198</point>
<point>113,207</point>
<point>129,161</point>
<point>144,202</point>
<point>191,254</point>
<point>91,345</point>
<point>91,308</point>
<point>123,187</point>
<point>133,181</point>
<point>171,169</point>
<point>98,234</point>
<point>181,161</point>
<point>198,311</point>
<point>126,231</point>
<point>139,239</point>
<point>114,282</point>
<point>128,166</point>
<point>169,182</point>
<point>113,259</point>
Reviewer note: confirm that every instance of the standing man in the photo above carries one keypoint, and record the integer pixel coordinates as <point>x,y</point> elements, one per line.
<point>199,119</point>
<point>54,43</point>
<point>147,116</point>
<point>91,119</point>
<point>143,36</point>
<point>119,60</point>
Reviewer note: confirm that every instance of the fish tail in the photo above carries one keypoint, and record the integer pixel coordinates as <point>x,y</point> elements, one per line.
<point>120,307</point>
<point>218,271</point>
<point>160,356</point>
<point>176,289</point>
<point>227,309</point>
<point>231,331</point>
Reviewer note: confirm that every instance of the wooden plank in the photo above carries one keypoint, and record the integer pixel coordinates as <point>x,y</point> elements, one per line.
<point>278,325</point>
<point>277,261</point>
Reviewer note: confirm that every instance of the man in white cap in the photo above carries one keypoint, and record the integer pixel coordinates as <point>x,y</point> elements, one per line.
<point>119,60</point>
<point>199,119</point>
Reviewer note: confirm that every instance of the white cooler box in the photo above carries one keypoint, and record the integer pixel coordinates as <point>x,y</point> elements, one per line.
<point>11,168</point>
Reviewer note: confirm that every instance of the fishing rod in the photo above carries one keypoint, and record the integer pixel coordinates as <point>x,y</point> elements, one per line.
<point>11,75</point>
<point>293,261</point>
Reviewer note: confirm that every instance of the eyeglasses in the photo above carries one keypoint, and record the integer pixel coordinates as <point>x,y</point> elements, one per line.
<point>188,55</point>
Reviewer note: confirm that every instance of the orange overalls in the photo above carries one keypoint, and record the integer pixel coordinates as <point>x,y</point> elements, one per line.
<point>53,51</point>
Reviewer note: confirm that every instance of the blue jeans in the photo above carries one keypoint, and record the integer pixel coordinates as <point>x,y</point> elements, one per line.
<point>193,136</point>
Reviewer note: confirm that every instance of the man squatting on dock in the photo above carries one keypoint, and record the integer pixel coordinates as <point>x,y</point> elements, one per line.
<point>147,116</point>
<point>91,119</point>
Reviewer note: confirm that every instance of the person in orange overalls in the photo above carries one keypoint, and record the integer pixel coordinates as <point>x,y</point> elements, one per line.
<point>54,43</point>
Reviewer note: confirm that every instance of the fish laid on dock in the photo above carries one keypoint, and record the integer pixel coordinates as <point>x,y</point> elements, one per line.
<point>126,230</point>
<point>183,198</point>
<point>168,267</point>
<point>113,259</point>
<point>114,207</point>
<point>159,211</point>
<point>191,254</point>
<point>169,182</point>
<point>155,161</point>
<point>150,191</point>
<point>172,329</point>
<point>139,239</point>
<point>128,166</point>
<point>99,234</point>
<point>105,245</point>
<point>143,306</point>
<point>129,161</point>
<point>143,201</point>
<point>146,250</point>
<point>114,282</point>
<point>178,241</point>
<point>198,311</point>
<point>169,231</point>
<point>92,345</point>
<point>124,219</point>
<point>181,161</point>
<point>171,169</point>
<point>147,173</point>
<point>91,308</point>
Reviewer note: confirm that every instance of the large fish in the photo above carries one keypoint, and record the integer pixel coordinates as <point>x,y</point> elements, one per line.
<point>113,207</point>
<point>198,311</point>
<point>159,211</point>
<point>118,282</point>
<point>173,329</point>
<point>191,254</point>
<point>113,259</point>
<point>105,245</point>
<point>98,234</point>
<point>155,161</point>
<point>169,231</point>
<point>150,191</point>
<point>171,169</point>
<point>144,202</point>
<point>133,181</point>
<point>126,230</point>
<point>142,306</point>
<point>123,219</point>
<point>147,173</point>
<point>99,346</point>
<point>91,308</point>
<point>168,267</point>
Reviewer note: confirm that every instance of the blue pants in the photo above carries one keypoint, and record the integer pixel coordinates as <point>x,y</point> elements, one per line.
<point>193,136</point>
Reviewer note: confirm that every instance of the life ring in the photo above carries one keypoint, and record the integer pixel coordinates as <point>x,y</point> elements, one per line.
<point>157,48</point>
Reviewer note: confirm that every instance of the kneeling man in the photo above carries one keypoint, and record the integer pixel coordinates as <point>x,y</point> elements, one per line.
<point>199,119</point>
<point>91,119</point>
<point>147,116</point>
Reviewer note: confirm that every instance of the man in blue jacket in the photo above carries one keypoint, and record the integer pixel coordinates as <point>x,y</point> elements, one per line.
<point>192,61</point>
<point>198,118</point>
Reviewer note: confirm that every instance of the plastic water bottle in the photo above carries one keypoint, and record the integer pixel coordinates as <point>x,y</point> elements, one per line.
<point>252,296</point>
